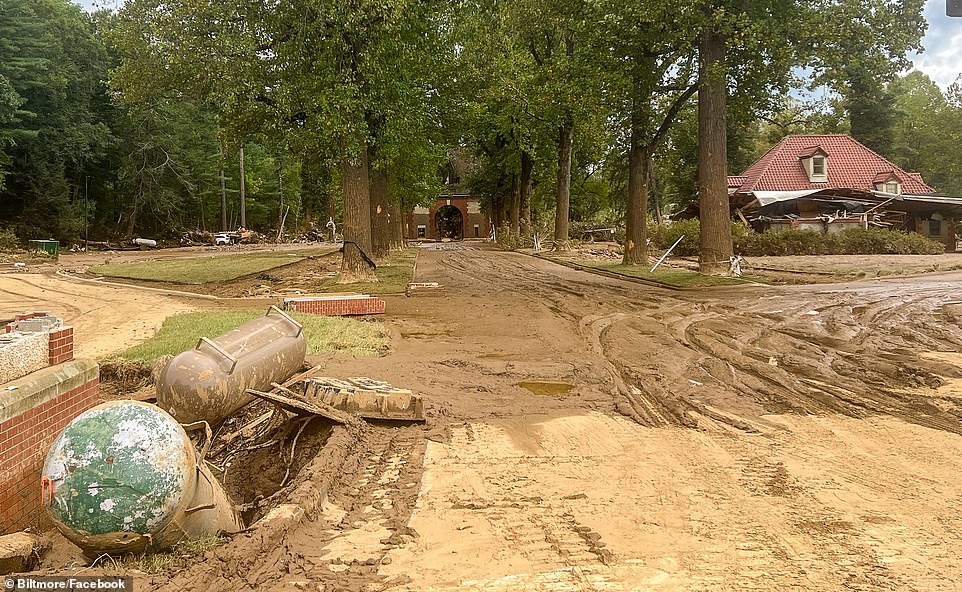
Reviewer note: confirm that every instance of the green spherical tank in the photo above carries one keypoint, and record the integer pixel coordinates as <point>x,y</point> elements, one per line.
<point>117,477</point>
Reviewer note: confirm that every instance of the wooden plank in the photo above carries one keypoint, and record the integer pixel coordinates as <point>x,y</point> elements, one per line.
<point>299,407</point>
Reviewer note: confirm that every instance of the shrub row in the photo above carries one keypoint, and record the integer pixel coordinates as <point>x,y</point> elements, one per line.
<point>853,241</point>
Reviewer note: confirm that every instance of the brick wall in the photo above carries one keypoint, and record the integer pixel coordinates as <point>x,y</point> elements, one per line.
<point>32,416</point>
<point>61,345</point>
<point>25,357</point>
<point>26,317</point>
<point>336,305</point>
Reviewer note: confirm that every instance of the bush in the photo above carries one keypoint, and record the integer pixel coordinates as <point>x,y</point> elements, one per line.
<point>8,240</point>
<point>511,242</point>
<point>663,236</point>
<point>853,241</point>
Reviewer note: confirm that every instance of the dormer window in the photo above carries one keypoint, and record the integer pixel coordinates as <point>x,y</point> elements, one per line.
<point>818,166</point>
<point>815,162</point>
<point>888,182</point>
<point>893,187</point>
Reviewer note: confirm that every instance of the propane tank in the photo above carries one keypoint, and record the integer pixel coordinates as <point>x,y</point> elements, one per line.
<point>210,382</point>
<point>124,477</point>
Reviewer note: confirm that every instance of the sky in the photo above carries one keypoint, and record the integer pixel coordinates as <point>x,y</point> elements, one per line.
<point>941,60</point>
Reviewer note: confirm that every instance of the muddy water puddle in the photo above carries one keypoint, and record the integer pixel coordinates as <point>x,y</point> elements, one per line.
<point>545,388</point>
<point>503,355</point>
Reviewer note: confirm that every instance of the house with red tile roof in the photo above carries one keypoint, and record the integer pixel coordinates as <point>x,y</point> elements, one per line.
<point>835,161</point>
<point>830,182</point>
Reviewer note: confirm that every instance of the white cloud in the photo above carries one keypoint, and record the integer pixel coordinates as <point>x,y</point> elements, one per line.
<point>92,5</point>
<point>942,58</point>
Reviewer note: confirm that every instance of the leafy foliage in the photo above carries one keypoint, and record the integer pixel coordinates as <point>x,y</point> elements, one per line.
<point>854,241</point>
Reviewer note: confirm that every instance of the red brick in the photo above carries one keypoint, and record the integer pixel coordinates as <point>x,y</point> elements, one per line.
<point>24,441</point>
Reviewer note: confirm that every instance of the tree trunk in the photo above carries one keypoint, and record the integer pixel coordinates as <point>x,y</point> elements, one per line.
<point>223,200</point>
<point>715,215</point>
<point>527,167</point>
<point>397,225</point>
<point>515,204</point>
<point>380,228</point>
<point>655,193</point>
<point>132,222</point>
<point>243,192</point>
<point>355,266</point>
<point>563,204</point>
<point>636,218</point>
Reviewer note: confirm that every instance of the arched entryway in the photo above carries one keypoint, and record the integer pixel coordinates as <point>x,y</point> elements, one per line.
<point>450,223</point>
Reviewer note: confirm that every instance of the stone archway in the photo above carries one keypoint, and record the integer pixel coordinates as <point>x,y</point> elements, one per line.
<point>450,223</point>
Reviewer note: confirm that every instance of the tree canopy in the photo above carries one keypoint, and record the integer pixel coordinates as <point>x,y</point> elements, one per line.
<point>559,113</point>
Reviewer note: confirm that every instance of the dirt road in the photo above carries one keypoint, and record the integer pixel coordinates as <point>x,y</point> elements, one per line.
<point>106,319</point>
<point>754,439</point>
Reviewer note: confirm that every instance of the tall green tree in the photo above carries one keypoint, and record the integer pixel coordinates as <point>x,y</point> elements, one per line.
<point>857,48</point>
<point>748,47</point>
<point>650,61</point>
<point>316,74</point>
<point>927,131</point>
<point>52,68</point>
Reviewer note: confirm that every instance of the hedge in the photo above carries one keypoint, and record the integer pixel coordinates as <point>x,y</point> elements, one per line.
<point>852,241</point>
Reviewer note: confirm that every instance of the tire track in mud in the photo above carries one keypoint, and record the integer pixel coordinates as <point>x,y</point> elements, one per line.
<point>343,545</point>
<point>758,355</point>
<point>105,319</point>
<point>366,515</point>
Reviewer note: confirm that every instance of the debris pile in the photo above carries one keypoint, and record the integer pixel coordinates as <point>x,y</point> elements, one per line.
<point>127,476</point>
<point>313,235</point>
<point>364,397</point>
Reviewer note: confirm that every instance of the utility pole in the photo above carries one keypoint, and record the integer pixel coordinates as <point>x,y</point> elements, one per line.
<point>243,192</point>
<point>223,200</point>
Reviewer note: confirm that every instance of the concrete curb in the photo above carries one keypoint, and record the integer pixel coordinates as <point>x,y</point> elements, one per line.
<point>609,274</point>
<point>102,282</point>
<point>653,283</point>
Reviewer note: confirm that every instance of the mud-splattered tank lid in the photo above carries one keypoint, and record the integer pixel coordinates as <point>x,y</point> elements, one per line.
<point>122,466</point>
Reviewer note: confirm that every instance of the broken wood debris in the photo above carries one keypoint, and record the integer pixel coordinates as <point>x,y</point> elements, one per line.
<point>364,397</point>
<point>423,287</point>
<point>300,407</point>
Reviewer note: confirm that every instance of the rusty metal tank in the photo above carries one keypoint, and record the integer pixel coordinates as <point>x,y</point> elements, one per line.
<point>210,382</point>
<point>125,477</point>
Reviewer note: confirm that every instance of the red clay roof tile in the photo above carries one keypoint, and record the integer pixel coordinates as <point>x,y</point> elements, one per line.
<point>850,166</point>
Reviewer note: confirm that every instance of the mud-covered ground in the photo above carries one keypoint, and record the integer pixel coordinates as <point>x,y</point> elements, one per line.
<point>758,438</point>
<point>769,438</point>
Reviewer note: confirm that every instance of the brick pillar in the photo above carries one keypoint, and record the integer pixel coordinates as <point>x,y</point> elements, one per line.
<point>61,345</point>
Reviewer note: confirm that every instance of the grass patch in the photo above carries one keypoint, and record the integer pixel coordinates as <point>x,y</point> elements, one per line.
<point>679,278</point>
<point>198,270</point>
<point>183,555</point>
<point>393,276</point>
<point>180,332</point>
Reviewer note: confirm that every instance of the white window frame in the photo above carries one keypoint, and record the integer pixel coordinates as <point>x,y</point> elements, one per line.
<point>810,168</point>
<point>818,160</point>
